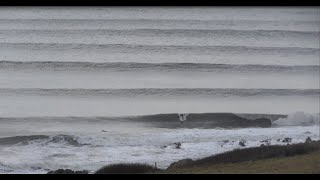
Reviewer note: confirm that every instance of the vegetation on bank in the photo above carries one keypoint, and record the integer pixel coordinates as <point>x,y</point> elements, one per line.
<point>299,164</point>
<point>126,169</point>
<point>251,154</point>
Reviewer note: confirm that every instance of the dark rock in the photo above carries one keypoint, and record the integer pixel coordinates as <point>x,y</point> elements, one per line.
<point>178,145</point>
<point>278,140</point>
<point>181,163</point>
<point>68,171</point>
<point>307,132</point>
<point>104,131</point>
<point>262,145</point>
<point>242,143</point>
<point>35,168</point>
<point>164,146</point>
<point>267,141</point>
<point>287,139</point>
<point>308,140</point>
<point>224,142</point>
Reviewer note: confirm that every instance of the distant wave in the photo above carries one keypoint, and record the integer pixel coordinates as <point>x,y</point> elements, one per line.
<point>171,121</point>
<point>25,140</point>
<point>20,139</point>
<point>174,67</point>
<point>157,20</point>
<point>177,32</point>
<point>155,23</point>
<point>162,92</point>
<point>193,120</point>
<point>133,48</point>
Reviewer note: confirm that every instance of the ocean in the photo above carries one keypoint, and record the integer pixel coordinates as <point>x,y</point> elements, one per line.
<point>84,87</point>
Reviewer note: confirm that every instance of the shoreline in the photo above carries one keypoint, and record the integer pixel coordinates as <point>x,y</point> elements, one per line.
<point>263,159</point>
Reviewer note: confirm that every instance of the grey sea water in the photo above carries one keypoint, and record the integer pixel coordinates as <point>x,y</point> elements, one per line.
<point>82,87</point>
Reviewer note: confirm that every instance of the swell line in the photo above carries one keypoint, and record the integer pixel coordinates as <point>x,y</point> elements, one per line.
<point>166,31</point>
<point>161,92</point>
<point>133,66</point>
<point>156,48</point>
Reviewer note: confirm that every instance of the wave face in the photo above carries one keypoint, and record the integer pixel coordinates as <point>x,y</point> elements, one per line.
<point>168,121</point>
<point>20,139</point>
<point>205,120</point>
<point>25,140</point>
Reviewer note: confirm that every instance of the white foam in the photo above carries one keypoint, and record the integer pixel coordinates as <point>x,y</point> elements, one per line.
<point>143,147</point>
<point>298,119</point>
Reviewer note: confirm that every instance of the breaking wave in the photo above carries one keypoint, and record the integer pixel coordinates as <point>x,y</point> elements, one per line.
<point>42,139</point>
<point>202,120</point>
<point>171,121</point>
<point>298,119</point>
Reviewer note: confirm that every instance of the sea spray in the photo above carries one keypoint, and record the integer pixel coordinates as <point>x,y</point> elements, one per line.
<point>298,119</point>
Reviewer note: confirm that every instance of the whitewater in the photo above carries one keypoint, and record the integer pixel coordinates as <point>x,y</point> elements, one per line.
<point>84,87</point>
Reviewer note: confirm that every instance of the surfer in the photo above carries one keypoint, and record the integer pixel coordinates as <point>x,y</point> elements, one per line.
<point>182,117</point>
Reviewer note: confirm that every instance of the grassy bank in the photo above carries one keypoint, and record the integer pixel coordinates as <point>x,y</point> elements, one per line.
<point>306,163</point>
<point>296,158</point>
